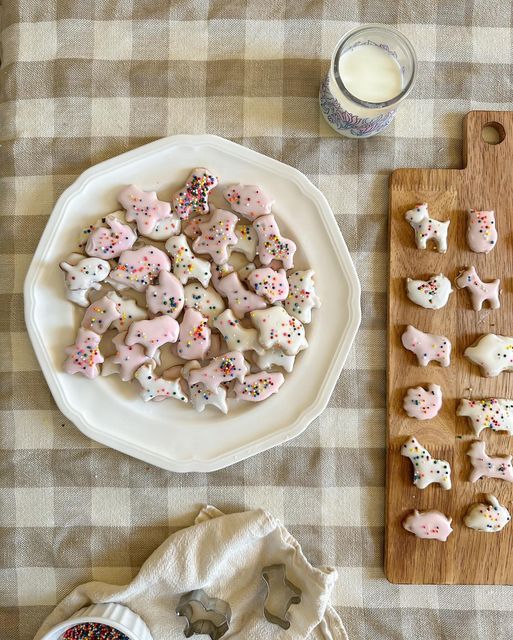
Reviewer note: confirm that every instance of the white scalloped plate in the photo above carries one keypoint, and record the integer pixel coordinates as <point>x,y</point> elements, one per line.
<point>169,434</point>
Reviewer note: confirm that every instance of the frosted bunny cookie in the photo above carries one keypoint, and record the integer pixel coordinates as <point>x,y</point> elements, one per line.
<point>246,241</point>
<point>489,518</point>
<point>277,329</point>
<point>129,311</point>
<point>128,358</point>
<point>185,264</point>
<point>479,291</point>
<point>194,337</point>
<point>249,200</point>
<point>152,334</point>
<point>430,294</point>
<point>237,337</point>
<point>155,388</point>
<point>240,299</point>
<point>426,470</point>
<point>205,300</point>
<point>430,525</point>
<point>427,228</point>
<point>269,284</point>
<point>230,366</point>
<point>488,413</point>
<point>110,243</point>
<point>100,315</point>
<point>140,267</point>
<point>481,231</point>
<point>259,386</point>
<point>84,355</point>
<point>421,404</point>
<point>166,297</point>
<point>302,297</point>
<point>427,346</point>
<point>485,466</point>
<point>271,244</point>
<point>193,196</point>
<point>83,276</point>
<point>143,207</point>
<point>492,353</point>
<point>199,395</point>
<point>275,357</point>
<point>216,235</point>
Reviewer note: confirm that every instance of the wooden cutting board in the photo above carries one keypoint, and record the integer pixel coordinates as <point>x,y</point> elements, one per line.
<point>486,182</point>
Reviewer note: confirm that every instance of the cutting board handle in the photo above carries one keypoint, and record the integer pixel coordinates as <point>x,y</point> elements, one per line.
<point>477,153</point>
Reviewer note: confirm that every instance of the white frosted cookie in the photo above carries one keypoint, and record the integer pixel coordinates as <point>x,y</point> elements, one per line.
<point>155,388</point>
<point>205,300</point>
<point>489,518</point>
<point>492,353</point>
<point>129,311</point>
<point>237,337</point>
<point>275,357</point>
<point>430,294</point>
<point>199,395</point>
<point>164,229</point>
<point>277,329</point>
<point>426,470</point>
<point>427,228</point>
<point>427,346</point>
<point>186,265</point>
<point>259,386</point>
<point>246,241</point>
<point>488,413</point>
<point>302,297</point>
<point>80,278</point>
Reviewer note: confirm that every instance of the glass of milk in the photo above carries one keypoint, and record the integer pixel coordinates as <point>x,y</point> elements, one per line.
<point>372,70</point>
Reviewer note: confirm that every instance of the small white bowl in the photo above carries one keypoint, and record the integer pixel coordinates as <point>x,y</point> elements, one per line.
<point>115,615</point>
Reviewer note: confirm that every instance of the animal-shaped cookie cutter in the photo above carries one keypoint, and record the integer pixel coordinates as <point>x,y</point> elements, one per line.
<point>205,615</point>
<point>281,594</point>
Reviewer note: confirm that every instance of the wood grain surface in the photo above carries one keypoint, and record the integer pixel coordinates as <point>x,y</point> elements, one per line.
<point>486,182</point>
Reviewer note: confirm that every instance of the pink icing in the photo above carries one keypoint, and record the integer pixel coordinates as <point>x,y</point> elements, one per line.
<point>192,228</point>
<point>129,358</point>
<point>110,243</point>
<point>100,315</point>
<point>193,196</point>
<point>240,299</point>
<point>259,386</point>
<point>225,368</point>
<point>84,355</point>
<point>431,525</point>
<point>421,404</point>
<point>485,466</point>
<point>479,291</point>
<point>270,284</point>
<point>271,244</point>
<point>427,346</point>
<point>166,297</point>
<point>144,207</point>
<point>481,231</point>
<point>152,334</point>
<point>248,200</point>
<point>139,268</point>
<point>217,234</point>
<point>194,338</point>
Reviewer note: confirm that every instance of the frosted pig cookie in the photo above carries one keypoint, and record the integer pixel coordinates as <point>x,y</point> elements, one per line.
<point>269,284</point>
<point>427,228</point>
<point>426,470</point>
<point>100,315</point>
<point>186,265</point>
<point>230,366</point>
<point>249,200</point>
<point>259,386</point>
<point>237,337</point>
<point>152,334</point>
<point>492,353</point>
<point>481,231</point>
<point>128,358</point>
<point>430,294</point>
<point>84,355</point>
<point>489,518</point>
<point>423,404</point>
<point>302,297</point>
<point>110,243</point>
<point>430,525</point>
<point>488,413</point>
<point>216,235</point>
<point>479,291</point>
<point>427,346</point>
<point>155,388</point>
<point>484,466</point>
<point>205,300</point>
<point>277,329</point>
<point>193,196</point>
<point>129,311</point>
<point>194,337</point>
<point>271,244</point>
<point>143,208</point>
<point>166,297</point>
<point>240,298</point>
<point>140,267</point>
<point>83,276</point>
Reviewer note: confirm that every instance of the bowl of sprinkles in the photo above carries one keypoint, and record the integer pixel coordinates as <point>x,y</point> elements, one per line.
<point>93,631</point>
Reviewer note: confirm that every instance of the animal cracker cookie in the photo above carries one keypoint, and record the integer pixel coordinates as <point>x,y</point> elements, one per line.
<point>479,291</point>
<point>237,337</point>
<point>205,300</point>
<point>489,413</point>
<point>192,228</point>
<point>199,395</point>
<point>271,244</point>
<point>164,229</point>
<point>484,466</point>
<point>185,264</point>
<point>481,231</point>
<point>259,386</point>
<point>271,285</point>
<point>83,276</point>
<point>302,297</point>
<point>427,228</point>
<point>230,366</point>
<point>86,232</point>
<point>427,346</point>
<point>245,271</point>
<point>429,525</point>
<point>100,315</point>
<point>423,404</point>
<point>166,297</point>
<point>110,243</point>
<point>246,241</point>
<point>143,207</point>
<point>193,196</point>
<point>277,329</point>
<point>129,311</point>
<point>240,299</point>
<point>249,200</point>
<point>84,355</point>
<point>492,353</point>
<point>489,518</point>
<point>152,334</point>
<point>216,235</point>
<point>426,470</point>
<point>128,358</point>
<point>430,294</point>
<point>194,336</point>
<point>140,267</point>
<point>275,357</point>
<point>155,388</point>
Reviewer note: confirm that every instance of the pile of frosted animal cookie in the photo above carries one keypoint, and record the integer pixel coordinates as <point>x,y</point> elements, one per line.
<point>164,290</point>
<point>492,353</point>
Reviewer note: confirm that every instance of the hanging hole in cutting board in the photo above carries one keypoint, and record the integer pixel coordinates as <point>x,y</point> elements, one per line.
<point>493,133</point>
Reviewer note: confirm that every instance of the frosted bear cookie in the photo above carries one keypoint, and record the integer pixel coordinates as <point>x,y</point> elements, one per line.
<point>128,358</point>
<point>216,235</point>
<point>83,276</point>
<point>426,470</point>
<point>485,466</point>
<point>427,228</point>
<point>492,353</point>
<point>155,388</point>
<point>423,404</point>
<point>269,284</point>
<point>277,329</point>
<point>193,196</point>
<point>199,395</point>
<point>430,294</point>
<point>143,208</point>
<point>237,337</point>
<point>100,315</point>
<point>84,355</point>
<point>152,334</point>
<point>302,297</point>
<point>194,336</point>
<point>271,244</point>
<point>166,297</point>
<point>489,518</point>
<point>240,299</point>
<point>246,241</point>
<point>259,386</point>
<point>427,346</point>
<point>481,231</point>
<point>205,300</point>
<point>110,243</point>
<point>275,357</point>
<point>140,267</point>
<point>479,291</point>
<point>129,311</point>
<point>186,265</point>
<point>488,413</point>
<point>249,200</point>
<point>230,366</point>
<point>429,525</point>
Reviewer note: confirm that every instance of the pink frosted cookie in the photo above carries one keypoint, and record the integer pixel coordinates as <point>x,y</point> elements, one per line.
<point>110,243</point>
<point>271,244</point>
<point>248,200</point>
<point>129,311</point>
<point>481,231</point>
<point>427,346</point>
<point>100,315</point>
<point>205,300</point>
<point>277,329</point>
<point>302,297</point>
<point>84,355</point>
<point>192,228</point>
<point>269,284</point>
<point>421,404</point>
<point>217,234</point>
<point>85,234</point>
<point>166,297</point>
<point>152,334</point>
<point>430,525</point>
<point>246,241</point>
<point>143,207</point>
<point>240,299</point>
<point>140,267</point>
<point>194,337</point>
<point>128,358</point>
<point>229,366</point>
<point>193,196</point>
<point>479,291</point>
<point>485,466</point>
<point>259,386</point>
<point>83,276</point>
<point>237,337</point>
<point>186,265</point>
<point>155,388</point>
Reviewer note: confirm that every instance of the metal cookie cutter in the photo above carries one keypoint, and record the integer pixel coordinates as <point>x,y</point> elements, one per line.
<point>204,615</point>
<point>281,594</point>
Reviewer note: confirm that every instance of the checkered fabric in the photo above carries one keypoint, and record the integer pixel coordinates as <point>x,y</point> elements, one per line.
<point>83,81</point>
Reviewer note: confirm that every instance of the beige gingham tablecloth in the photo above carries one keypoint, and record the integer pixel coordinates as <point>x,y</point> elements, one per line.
<point>83,81</point>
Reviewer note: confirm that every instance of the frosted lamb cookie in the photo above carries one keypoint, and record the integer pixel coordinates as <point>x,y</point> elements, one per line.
<point>199,395</point>
<point>271,244</point>
<point>129,311</point>
<point>484,466</point>
<point>193,196</point>
<point>259,386</point>
<point>166,297</point>
<point>143,208</point>
<point>429,525</point>
<point>194,337</point>
<point>152,334</point>
<point>427,228</point>
<point>84,355</point>
<point>427,346</point>
<point>426,470</point>
<point>100,315</point>
<point>423,404</point>
<point>488,413</point>
<point>249,200</point>
<point>186,265</point>
<point>277,329</point>
<point>275,357</point>
<point>269,284</point>
<point>246,241</point>
<point>83,276</point>
<point>110,243</point>
<point>140,267</point>
<point>205,300</point>
<point>230,366</point>
<point>240,299</point>
<point>430,294</point>
<point>155,388</point>
<point>479,291</point>
<point>216,235</point>
<point>302,297</point>
<point>489,518</point>
<point>492,353</point>
<point>481,231</point>
<point>237,337</point>
<point>128,358</point>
